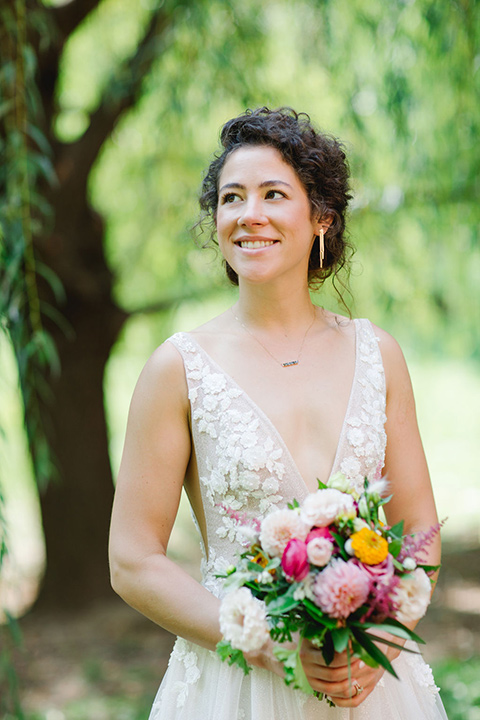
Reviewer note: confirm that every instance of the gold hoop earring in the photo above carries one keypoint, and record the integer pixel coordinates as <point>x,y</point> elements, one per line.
<point>321,246</point>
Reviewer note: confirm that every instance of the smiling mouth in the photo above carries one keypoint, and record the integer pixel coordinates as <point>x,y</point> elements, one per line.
<point>255,244</point>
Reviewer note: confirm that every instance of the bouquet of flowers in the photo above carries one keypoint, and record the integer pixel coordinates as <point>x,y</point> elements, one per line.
<point>328,570</point>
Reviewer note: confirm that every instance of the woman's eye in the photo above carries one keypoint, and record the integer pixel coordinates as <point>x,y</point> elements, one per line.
<point>274,195</point>
<point>229,198</point>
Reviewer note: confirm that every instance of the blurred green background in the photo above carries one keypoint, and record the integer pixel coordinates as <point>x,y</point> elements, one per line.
<point>398,83</point>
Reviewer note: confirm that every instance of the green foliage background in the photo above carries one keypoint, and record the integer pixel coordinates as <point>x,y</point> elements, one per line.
<point>398,83</point>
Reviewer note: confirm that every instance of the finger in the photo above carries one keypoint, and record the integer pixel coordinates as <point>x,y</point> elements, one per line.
<point>339,659</point>
<point>320,671</point>
<point>359,695</point>
<point>344,690</point>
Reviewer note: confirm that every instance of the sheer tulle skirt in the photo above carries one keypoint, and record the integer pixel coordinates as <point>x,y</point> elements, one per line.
<point>198,686</point>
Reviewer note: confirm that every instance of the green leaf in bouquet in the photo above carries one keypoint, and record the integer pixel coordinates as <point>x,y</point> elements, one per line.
<point>364,639</point>
<point>273,564</point>
<point>429,568</point>
<point>341,545</point>
<point>396,531</point>
<point>361,653</point>
<point>282,604</point>
<point>395,627</point>
<point>398,565</point>
<point>236,580</point>
<point>311,632</point>
<point>379,639</point>
<point>232,656</point>
<point>384,501</point>
<point>294,672</point>
<point>293,505</point>
<point>340,637</point>
<point>328,648</point>
<point>254,567</point>
<point>322,485</point>
<point>318,615</point>
<point>394,547</point>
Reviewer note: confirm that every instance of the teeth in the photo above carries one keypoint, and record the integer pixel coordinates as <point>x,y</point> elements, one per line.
<point>256,244</point>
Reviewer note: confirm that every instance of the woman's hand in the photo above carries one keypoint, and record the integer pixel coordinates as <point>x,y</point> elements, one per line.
<point>332,680</point>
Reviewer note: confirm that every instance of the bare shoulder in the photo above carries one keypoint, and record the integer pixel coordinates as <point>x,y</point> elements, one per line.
<point>216,335</point>
<point>396,371</point>
<point>340,324</point>
<point>162,378</point>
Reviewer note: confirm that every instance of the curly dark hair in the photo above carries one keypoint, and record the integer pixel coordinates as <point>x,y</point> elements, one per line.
<point>320,163</point>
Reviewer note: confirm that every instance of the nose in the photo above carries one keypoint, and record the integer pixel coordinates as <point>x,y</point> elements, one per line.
<point>252,213</point>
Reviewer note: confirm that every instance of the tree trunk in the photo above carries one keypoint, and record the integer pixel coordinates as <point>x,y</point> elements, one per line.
<point>76,507</point>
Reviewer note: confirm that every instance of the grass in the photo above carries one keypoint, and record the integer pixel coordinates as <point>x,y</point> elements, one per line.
<point>459,682</point>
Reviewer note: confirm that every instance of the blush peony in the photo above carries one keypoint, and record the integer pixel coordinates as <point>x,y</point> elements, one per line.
<point>243,620</point>
<point>412,595</point>
<point>325,506</point>
<point>279,528</point>
<point>341,588</point>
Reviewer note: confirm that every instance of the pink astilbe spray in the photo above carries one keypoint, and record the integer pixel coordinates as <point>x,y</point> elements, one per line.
<point>415,546</point>
<point>382,600</point>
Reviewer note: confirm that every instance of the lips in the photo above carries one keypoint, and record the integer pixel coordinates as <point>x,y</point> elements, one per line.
<point>254,243</point>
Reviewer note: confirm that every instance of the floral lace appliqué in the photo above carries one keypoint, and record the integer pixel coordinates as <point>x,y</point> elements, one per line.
<point>183,653</point>
<point>362,449</point>
<point>423,674</point>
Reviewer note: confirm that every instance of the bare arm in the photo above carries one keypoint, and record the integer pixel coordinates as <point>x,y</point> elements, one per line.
<point>154,463</point>
<point>409,481</point>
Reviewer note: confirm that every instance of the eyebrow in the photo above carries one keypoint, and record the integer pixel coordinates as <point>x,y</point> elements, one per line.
<point>265,183</point>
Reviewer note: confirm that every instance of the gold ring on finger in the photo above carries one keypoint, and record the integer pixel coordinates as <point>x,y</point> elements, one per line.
<point>358,688</point>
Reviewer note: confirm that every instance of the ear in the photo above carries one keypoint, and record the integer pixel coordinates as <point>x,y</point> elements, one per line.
<point>323,222</point>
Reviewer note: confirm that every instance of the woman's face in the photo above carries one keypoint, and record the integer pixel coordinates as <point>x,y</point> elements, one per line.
<point>264,221</point>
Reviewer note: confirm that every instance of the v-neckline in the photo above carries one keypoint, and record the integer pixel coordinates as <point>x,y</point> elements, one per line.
<point>267,421</point>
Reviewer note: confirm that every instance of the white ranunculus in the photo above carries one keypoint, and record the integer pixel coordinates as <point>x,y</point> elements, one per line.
<point>243,620</point>
<point>278,528</point>
<point>412,595</point>
<point>321,508</point>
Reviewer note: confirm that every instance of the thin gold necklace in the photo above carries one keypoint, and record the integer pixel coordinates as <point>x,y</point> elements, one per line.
<point>290,363</point>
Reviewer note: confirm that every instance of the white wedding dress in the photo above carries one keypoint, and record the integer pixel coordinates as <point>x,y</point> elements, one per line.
<point>244,464</point>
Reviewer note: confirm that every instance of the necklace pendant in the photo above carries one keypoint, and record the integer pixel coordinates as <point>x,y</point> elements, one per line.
<point>289,364</point>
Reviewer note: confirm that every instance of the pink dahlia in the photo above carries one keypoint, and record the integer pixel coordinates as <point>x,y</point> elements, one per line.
<point>341,588</point>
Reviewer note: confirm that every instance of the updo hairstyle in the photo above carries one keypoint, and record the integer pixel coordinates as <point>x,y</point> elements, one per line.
<point>320,164</point>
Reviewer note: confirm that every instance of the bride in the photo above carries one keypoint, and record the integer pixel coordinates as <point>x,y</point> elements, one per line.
<point>247,411</point>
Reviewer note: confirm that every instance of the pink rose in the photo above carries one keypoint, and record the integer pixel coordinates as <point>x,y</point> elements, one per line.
<point>321,532</point>
<point>294,560</point>
<point>381,573</point>
<point>319,551</point>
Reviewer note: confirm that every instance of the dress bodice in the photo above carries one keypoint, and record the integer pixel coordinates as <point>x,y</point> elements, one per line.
<point>245,468</point>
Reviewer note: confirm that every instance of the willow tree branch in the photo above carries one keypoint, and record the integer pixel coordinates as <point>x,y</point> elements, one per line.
<point>69,16</point>
<point>123,90</point>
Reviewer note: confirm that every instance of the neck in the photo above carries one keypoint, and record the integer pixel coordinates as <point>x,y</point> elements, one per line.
<point>274,308</point>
